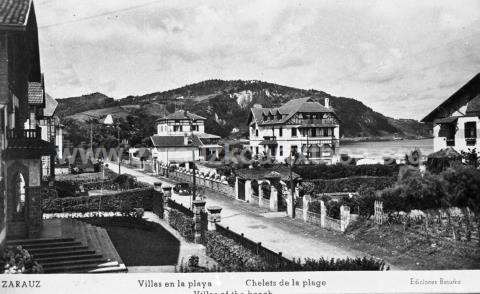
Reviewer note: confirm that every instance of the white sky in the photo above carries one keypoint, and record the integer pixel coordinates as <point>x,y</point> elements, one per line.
<point>402,58</point>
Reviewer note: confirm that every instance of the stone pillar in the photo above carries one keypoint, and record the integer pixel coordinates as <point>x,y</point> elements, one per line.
<point>306,202</point>
<point>236,187</point>
<point>198,208</point>
<point>290,202</point>
<point>34,211</point>
<point>248,191</point>
<point>273,198</point>
<point>167,195</point>
<point>158,200</point>
<point>213,217</point>
<point>323,213</point>
<point>260,194</point>
<point>344,217</point>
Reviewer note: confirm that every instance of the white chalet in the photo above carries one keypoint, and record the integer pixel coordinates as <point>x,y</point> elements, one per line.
<point>456,121</point>
<point>300,125</point>
<point>181,138</point>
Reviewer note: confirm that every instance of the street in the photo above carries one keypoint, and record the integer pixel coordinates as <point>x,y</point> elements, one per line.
<point>294,238</point>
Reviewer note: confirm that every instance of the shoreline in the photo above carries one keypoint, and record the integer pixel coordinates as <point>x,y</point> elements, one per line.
<point>352,140</point>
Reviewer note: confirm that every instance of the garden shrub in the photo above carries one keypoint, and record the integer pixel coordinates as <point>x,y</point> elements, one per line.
<point>338,171</point>
<point>185,225</point>
<point>124,201</point>
<point>16,260</point>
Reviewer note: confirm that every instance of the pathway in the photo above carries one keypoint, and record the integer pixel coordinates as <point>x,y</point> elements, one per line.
<point>276,231</point>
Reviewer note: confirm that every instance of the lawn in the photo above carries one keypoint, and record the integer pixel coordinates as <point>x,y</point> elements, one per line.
<point>139,242</point>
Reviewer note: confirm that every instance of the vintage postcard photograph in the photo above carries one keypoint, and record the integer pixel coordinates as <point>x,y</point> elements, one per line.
<point>239,147</point>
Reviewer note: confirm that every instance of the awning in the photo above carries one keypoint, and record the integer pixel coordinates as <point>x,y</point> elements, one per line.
<point>446,120</point>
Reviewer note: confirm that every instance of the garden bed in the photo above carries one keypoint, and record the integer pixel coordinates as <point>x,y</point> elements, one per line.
<point>140,242</point>
<point>412,249</point>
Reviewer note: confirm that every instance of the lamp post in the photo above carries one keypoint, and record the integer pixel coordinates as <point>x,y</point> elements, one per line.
<point>292,186</point>
<point>194,178</point>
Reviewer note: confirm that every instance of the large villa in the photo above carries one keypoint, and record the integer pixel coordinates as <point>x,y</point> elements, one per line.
<point>456,120</point>
<point>300,125</point>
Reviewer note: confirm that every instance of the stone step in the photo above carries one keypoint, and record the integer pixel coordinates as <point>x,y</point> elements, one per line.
<point>64,253</point>
<point>57,249</point>
<point>37,241</point>
<point>67,258</point>
<point>89,260</point>
<point>50,245</point>
<point>79,268</point>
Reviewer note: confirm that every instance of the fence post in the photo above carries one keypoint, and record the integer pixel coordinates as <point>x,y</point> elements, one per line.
<point>323,214</point>
<point>306,202</point>
<point>344,217</point>
<point>214,217</point>
<point>199,207</point>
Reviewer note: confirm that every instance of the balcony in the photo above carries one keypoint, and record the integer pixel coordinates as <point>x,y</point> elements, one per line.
<point>309,122</point>
<point>16,134</point>
<point>269,141</point>
<point>470,141</point>
<point>27,144</point>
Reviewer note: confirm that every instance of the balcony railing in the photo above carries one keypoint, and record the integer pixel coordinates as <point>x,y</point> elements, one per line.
<point>450,142</point>
<point>25,134</point>
<point>315,121</point>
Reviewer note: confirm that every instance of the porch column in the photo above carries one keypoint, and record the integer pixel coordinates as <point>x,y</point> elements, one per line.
<point>260,194</point>
<point>248,191</point>
<point>273,198</point>
<point>236,187</point>
<point>306,203</point>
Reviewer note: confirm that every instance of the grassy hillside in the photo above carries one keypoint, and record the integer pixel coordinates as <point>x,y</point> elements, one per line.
<point>226,104</point>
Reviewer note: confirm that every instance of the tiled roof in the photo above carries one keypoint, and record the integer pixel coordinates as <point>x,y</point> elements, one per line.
<point>287,110</point>
<point>473,107</point>
<point>50,105</point>
<point>182,114</point>
<point>263,173</point>
<point>35,93</point>
<point>168,141</point>
<point>461,97</point>
<point>14,13</point>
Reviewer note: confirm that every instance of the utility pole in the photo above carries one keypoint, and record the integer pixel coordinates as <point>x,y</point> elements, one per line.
<point>292,186</point>
<point>119,151</point>
<point>194,188</point>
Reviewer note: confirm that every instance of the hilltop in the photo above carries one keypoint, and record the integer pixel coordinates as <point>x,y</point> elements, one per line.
<point>226,104</point>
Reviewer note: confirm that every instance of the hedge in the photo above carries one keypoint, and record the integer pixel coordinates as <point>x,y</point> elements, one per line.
<point>338,171</point>
<point>119,202</point>
<point>231,255</point>
<point>234,257</point>
<point>352,184</point>
<point>183,224</point>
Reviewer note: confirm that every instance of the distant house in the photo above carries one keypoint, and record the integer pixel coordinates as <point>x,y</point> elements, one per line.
<point>42,117</point>
<point>300,125</point>
<point>456,121</point>
<point>181,138</point>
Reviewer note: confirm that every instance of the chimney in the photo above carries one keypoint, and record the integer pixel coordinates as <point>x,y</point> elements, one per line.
<point>327,102</point>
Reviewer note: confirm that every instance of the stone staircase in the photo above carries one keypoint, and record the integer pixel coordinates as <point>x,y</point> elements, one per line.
<point>86,249</point>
